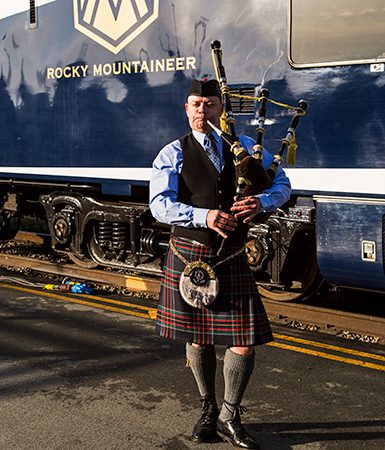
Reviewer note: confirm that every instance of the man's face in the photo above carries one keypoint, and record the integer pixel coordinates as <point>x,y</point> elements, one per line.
<point>201,109</point>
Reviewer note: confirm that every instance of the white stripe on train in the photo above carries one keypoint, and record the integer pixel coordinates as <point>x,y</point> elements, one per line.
<point>10,7</point>
<point>352,181</point>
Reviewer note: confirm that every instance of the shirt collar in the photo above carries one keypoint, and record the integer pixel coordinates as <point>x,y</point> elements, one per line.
<point>200,137</point>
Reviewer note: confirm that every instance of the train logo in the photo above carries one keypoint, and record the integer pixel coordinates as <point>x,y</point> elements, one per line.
<point>114,23</point>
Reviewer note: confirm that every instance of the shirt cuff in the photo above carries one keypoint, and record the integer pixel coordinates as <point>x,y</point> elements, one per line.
<point>266,202</point>
<point>199,217</point>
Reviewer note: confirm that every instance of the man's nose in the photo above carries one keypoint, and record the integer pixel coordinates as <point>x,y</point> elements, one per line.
<point>201,107</point>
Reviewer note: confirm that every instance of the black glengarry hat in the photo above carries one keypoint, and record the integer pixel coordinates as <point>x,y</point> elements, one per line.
<point>204,88</point>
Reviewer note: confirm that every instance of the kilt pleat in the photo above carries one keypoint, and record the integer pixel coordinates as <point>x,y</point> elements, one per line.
<point>236,318</point>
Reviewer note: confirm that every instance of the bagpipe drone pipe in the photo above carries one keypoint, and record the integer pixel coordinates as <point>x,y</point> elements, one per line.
<point>250,176</point>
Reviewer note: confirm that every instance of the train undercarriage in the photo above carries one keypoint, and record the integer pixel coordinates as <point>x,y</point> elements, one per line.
<point>281,248</point>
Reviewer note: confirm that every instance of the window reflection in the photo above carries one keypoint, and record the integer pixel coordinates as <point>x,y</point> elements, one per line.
<point>330,31</point>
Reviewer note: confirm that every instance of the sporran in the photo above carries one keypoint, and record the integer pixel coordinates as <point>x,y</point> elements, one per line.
<point>198,284</point>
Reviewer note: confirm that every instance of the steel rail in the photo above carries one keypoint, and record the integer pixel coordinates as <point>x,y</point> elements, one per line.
<point>130,282</point>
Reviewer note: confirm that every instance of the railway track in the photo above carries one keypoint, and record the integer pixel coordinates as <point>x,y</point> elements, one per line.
<point>346,324</point>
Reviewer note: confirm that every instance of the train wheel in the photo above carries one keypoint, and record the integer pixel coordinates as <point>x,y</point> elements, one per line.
<point>298,290</point>
<point>300,276</point>
<point>83,261</point>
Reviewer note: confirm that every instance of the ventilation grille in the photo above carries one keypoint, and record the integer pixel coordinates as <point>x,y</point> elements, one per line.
<point>240,105</point>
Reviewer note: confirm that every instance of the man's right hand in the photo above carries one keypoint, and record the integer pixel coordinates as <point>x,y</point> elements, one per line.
<point>221,222</point>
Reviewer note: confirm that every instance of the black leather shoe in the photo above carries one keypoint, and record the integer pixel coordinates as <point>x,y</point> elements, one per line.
<point>233,432</point>
<point>205,428</point>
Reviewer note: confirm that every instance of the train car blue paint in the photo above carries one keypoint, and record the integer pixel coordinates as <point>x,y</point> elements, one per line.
<point>344,228</point>
<point>72,109</point>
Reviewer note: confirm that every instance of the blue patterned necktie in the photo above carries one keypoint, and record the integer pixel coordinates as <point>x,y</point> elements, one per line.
<point>211,149</point>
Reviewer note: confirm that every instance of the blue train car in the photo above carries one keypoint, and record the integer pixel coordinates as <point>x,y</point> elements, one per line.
<point>90,90</point>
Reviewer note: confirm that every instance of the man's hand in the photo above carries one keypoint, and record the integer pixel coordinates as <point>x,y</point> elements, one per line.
<point>221,222</point>
<point>246,208</point>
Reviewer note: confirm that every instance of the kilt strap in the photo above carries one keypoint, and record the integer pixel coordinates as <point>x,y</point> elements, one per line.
<point>222,261</point>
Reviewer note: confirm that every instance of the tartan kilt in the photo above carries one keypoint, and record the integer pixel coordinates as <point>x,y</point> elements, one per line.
<point>236,318</point>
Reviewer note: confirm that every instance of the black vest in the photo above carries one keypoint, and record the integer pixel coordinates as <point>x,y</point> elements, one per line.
<point>200,185</point>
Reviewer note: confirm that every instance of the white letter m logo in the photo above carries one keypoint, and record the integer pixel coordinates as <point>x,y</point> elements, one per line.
<point>114,23</point>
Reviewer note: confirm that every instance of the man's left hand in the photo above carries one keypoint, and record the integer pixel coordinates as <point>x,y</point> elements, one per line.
<point>247,208</point>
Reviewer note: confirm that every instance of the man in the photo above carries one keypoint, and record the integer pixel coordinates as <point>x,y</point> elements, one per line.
<point>192,188</point>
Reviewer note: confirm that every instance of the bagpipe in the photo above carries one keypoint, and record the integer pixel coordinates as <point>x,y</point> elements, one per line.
<point>250,176</point>
<point>198,283</point>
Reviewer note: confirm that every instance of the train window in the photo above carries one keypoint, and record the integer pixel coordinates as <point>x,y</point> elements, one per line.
<point>330,32</point>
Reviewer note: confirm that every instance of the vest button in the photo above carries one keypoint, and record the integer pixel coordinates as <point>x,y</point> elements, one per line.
<point>219,192</point>
<point>219,206</point>
<point>219,178</point>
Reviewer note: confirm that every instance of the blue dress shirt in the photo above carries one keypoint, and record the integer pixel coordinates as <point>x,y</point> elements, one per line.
<point>164,185</point>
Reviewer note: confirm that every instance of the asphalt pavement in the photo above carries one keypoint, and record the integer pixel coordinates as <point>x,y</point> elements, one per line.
<point>77,377</point>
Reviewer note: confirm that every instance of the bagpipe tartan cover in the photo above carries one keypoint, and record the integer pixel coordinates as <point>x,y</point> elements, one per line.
<point>237,316</point>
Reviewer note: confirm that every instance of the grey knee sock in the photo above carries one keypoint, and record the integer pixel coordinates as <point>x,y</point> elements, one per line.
<point>237,370</point>
<point>203,362</point>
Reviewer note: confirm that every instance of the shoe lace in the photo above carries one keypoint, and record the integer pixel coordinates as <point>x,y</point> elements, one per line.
<point>236,411</point>
<point>209,410</point>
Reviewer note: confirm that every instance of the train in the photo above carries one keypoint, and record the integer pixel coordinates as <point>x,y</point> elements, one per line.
<point>90,90</point>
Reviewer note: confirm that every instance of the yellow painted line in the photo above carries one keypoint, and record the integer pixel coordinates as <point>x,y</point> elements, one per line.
<point>151,314</point>
<point>330,347</point>
<point>75,300</point>
<point>118,302</point>
<point>307,351</point>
